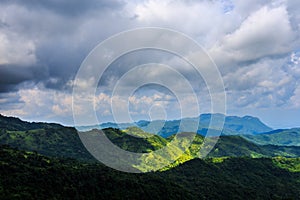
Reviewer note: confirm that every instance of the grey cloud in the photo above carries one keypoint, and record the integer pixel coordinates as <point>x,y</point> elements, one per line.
<point>127,62</point>
<point>293,67</point>
<point>3,24</point>
<point>12,76</point>
<point>267,71</point>
<point>10,101</point>
<point>59,42</point>
<point>293,8</point>
<point>64,32</point>
<point>265,84</point>
<point>72,8</point>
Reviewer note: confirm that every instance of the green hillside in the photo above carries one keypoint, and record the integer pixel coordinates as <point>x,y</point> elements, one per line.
<point>237,146</point>
<point>59,141</point>
<point>15,124</point>
<point>289,137</point>
<point>52,163</point>
<point>27,175</point>
<point>135,140</point>
<point>227,146</point>
<point>47,139</point>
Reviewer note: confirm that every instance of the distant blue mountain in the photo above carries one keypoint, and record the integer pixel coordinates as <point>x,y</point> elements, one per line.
<point>233,125</point>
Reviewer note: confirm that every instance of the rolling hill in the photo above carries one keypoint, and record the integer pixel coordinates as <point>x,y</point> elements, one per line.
<point>48,161</point>
<point>59,141</point>
<point>28,175</point>
<point>45,138</point>
<point>288,137</point>
<point>237,146</point>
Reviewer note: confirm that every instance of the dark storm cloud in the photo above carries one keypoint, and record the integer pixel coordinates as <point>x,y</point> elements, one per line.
<point>60,36</point>
<point>12,76</point>
<point>61,64</point>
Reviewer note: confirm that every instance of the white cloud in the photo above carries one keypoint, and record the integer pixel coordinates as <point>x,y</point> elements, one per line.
<point>41,104</point>
<point>266,32</point>
<point>267,84</point>
<point>205,21</point>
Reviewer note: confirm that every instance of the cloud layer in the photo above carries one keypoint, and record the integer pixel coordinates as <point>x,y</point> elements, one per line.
<point>255,45</point>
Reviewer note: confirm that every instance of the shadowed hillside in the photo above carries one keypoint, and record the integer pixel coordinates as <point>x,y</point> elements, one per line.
<point>27,175</point>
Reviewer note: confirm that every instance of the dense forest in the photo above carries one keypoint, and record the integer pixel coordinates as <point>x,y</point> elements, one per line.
<point>48,161</point>
<point>28,175</point>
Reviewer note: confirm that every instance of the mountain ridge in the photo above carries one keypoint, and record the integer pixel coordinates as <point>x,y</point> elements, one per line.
<point>59,141</point>
<point>280,137</point>
<point>60,169</point>
<point>233,125</point>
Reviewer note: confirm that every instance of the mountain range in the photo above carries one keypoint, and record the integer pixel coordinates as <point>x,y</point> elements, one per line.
<point>49,161</point>
<point>233,125</point>
<point>59,141</point>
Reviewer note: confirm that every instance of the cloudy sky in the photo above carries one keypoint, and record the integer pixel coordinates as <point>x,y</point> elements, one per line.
<point>255,45</point>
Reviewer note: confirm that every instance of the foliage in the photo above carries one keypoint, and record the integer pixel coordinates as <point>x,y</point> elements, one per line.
<point>236,146</point>
<point>59,141</point>
<point>289,137</point>
<point>235,169</point>
<point>291,164</point>
<point>27,175</point>
<point>135,141</point>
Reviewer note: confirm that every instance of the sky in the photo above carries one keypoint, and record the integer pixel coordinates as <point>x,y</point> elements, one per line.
<point>255,45</point>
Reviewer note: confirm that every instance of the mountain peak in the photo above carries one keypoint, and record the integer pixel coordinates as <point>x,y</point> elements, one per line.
<point>233,125</point>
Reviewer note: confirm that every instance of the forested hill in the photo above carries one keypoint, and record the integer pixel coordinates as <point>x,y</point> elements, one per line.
<point>58,141</point>
<point>281,137</point>
<point>27,175</point>
<point>46,138</point>
<point>48,161</point>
